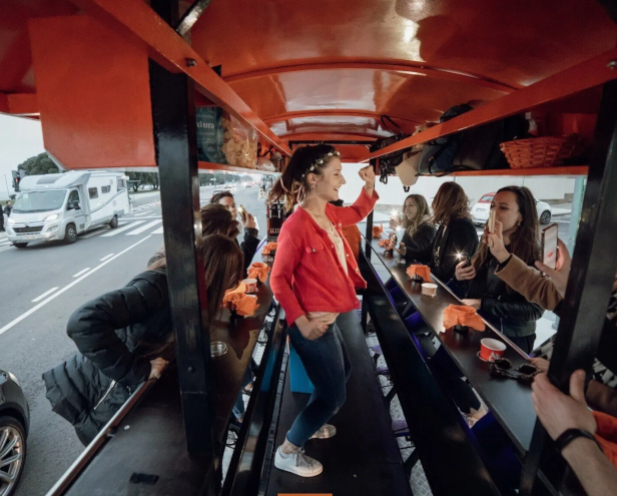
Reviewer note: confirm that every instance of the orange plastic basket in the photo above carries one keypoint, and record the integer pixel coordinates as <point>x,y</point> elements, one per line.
<point>538,152</point>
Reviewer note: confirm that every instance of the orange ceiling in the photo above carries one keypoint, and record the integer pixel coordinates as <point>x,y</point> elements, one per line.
<point>322,66</point>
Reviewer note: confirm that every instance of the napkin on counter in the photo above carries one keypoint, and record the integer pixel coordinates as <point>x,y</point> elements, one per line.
<point>377,231</point>
<point>259,271</point>
<point>384,243</point>
<point>241,303</point>
<point>464,316</point>
<point>419,270</point>
<point>269,248</point>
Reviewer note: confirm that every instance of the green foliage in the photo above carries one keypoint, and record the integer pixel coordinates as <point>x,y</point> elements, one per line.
<point>40,164</point>
<point>144,178</point>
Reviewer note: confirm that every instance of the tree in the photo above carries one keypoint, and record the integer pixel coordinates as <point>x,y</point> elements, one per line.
<point>40,164</point>
<point>144,178</point>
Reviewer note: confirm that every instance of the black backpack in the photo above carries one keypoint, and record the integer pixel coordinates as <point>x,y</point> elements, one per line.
<point>438,154</point>
<point>388,163</point>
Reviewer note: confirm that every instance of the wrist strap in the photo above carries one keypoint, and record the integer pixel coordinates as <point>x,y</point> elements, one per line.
<point>570,435</point>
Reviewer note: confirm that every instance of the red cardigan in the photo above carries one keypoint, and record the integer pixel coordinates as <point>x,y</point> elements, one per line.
<point>307,275</point>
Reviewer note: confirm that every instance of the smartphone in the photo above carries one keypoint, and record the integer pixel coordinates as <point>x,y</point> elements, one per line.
<point>549,245</point>
<point>242,212</point>
<point>491,221</point>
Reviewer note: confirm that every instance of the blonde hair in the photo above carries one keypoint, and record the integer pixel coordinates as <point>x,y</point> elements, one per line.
<point>422,214</point>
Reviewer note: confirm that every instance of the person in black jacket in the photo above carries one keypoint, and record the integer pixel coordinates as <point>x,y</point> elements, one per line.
<point>125,337</point>
<point>509,311</point>
<point>251,241</point>
<point>456,234</point>
<point>419,233</point>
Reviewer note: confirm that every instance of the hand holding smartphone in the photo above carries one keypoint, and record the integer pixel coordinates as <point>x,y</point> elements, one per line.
<point>549,245</point>
<point>491,221</point>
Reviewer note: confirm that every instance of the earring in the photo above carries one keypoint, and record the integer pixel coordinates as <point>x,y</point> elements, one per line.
<point>312,186</point>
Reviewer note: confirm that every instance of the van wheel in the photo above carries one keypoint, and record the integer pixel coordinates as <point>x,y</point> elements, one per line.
<point>20,245</point>
<point>545,218</point>
<point>70,234</point>
<point>113,223</point>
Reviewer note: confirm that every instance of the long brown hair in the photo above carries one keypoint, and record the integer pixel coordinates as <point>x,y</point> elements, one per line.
<point>524,241</point>
<point>223,267</point>
<point>450,203</point>
<point>422,214</point>
<point>293,183</point>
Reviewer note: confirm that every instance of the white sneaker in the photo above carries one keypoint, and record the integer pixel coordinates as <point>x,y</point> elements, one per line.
<point>326,431</point>
<point>297,463</point>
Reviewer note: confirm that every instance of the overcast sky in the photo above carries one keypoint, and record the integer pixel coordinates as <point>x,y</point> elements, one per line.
<point>20,139</point>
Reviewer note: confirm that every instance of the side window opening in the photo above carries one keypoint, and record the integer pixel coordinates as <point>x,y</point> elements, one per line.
<point>93,192</point>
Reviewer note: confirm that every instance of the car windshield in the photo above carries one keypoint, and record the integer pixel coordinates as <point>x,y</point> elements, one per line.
<point>486,199</point>
<point>39,201</point>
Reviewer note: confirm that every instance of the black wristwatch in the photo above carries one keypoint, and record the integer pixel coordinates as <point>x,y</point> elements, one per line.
<point>570,435</point>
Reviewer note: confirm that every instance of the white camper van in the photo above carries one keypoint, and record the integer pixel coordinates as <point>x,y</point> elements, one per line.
<point>61,206</point>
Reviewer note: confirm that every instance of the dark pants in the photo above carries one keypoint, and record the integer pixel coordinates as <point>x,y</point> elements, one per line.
<point>525,343</point>
<point>328,366</point>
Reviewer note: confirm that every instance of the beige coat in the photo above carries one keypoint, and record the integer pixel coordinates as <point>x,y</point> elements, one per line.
<point>530,283</point>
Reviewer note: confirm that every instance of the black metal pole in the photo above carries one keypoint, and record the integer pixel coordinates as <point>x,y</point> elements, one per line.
<point>173,111</point>
<point>591,277</point>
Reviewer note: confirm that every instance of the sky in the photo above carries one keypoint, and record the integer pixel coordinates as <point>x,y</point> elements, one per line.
<point>20,138</point>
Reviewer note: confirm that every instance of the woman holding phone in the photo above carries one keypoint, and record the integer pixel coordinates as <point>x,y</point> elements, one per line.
<point>315,277</point>
<point>507,310</point>
<point>456,235</point>
<point>419,232</point>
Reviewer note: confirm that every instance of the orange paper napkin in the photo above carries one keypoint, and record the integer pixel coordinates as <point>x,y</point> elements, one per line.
<point>269,248</point>
<point>464,316</point>
<point>384,243</point>
<point>419,270</point>
<point>259,271</point>
<point>239,302</point>
<point>377,230</point>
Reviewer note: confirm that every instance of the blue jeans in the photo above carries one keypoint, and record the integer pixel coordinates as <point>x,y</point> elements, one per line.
<point>328,366</point>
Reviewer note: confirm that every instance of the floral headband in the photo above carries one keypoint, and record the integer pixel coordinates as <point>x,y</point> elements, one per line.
<point>320,162</point>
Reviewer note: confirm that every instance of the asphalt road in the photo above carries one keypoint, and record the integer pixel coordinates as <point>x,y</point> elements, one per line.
<point>33,327</point>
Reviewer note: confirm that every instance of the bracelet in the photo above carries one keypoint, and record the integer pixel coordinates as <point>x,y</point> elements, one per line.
<point>570,435</point>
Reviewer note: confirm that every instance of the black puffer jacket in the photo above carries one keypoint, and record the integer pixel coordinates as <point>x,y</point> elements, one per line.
<point>419,244</point>
<point>117,335</point>
<point>460,236</point>
<point>249,246</point>
<point>508,311</point>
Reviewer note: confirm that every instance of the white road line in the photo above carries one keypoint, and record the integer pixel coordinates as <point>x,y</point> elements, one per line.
<point>106,257</point>
<point>5,249</point>
<point>139,215</point>
<point>2,243</point>
<point>46,293</point>
<point>130,219</point>
<point>143,228</point>
<point>115,232</point>
<point>95,233</point>
<point>158,231</point>
<point>66,288</point>
<point>82,272</point>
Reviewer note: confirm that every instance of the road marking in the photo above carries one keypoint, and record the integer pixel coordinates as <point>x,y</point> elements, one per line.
<point>139,215</point>
<point>46,293</point>
<point>82,272</point>
<point>5,249</point>
<point>106,257</point>
<point>146,218</point>
<point>5,243</point>
<point>141,229</point>
<point>122,229</point>
<point>95,233</point>
<point>158,231</point>
<point>66,288</point>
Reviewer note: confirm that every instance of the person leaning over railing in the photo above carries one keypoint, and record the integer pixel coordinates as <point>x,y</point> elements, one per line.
<point>509,311</point>
<point>314,278</point>
<point>122,334</point>
<point>419,233</point>
<point>456,233</point>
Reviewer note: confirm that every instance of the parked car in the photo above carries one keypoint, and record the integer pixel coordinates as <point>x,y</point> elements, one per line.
<point>14,426</point>
<point>481,209</point>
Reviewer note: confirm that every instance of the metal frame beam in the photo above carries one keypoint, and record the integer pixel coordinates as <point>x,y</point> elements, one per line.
<point>191,16</point>
<point>591,278</point>
<point>20,104</point>
<point>585,75</point>
<point>172,52</point>
<point>405,66</point>
<point>175,131</point>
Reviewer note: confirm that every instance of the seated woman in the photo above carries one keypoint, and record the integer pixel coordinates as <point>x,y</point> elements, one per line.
<point>419,232</point>
<point>123,335</point>
<point>251,241</point>
<point>507,310</point>
<point>456,233</point>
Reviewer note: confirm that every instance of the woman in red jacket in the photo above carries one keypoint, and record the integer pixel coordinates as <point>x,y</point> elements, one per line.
<point>315,277</point>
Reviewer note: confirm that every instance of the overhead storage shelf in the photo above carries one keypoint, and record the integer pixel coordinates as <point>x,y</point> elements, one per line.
<point>574,170</point>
